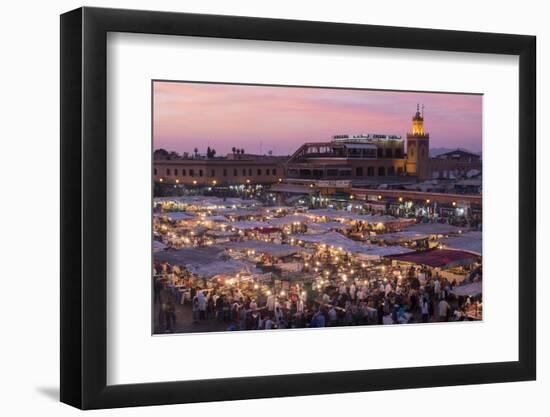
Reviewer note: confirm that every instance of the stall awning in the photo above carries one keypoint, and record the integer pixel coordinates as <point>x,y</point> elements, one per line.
<point>472,289</point>
<point>436,258</point>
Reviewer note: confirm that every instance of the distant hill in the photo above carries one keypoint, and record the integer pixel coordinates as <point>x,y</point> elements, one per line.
<point>438,151</point>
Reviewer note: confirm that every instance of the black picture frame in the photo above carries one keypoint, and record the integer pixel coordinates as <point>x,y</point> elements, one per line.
<point>84,207</point>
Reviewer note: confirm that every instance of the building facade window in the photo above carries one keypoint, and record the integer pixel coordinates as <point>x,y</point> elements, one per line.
<point>359,171</point>
<point>259,171</point>
<point>235,172</point>
<point>183,173</point>
<point>267,171</point>
<point>225,172</point>
<point>168,172</point>
<point>250,171</point>
<point>398,153</point>
<point>155,171</point>
<point>213,173</point>
<point>274,171</point>
<point>381,171</point>
<point>200,172</point>
<point>191,172</point>
<point>370,171</point>
<point>244,172</point>
<point>380,152</point>
<point>176,172</point>
<point>389,153</point>
<point>391,171</point>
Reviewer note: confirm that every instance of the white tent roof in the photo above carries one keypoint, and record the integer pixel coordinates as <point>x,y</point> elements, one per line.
<point>347,215</point>
<point>231,266</point>
<point>273,249</point>
<point>281,221</point>
<point>337,240</point>
<point>403,236</point>
<point>469,242</point>
<point>249,224</point>
<point>473,289</point>
<point>327,226</point>
<point>177,216</point>
<point>434,228</point>
<point>205,261</point>
<point>214,218</point>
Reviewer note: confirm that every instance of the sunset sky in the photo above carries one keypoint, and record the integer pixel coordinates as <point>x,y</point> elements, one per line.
<point>189,115</point>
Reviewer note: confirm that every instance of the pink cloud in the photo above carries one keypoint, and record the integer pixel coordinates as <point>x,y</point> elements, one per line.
<point>189,115</point>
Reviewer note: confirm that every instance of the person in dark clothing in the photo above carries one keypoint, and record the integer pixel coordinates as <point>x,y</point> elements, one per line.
<point>169,310</point>
<point>157,288</point>
<point>380,313</point>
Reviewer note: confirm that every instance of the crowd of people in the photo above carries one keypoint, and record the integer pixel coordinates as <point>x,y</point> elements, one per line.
<point>376,294</point>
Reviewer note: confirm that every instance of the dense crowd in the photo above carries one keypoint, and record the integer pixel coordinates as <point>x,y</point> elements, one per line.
<point>377,294</point>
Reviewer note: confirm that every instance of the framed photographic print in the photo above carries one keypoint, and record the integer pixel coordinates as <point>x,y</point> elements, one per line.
<point>257,208</point>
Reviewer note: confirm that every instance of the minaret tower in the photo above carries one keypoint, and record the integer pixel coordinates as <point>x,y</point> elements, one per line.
<point>418,147</point>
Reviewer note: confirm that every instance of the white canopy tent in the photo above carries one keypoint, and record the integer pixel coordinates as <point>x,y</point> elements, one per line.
<point>472,290</point>
<point>468,242</point>
<point>290,219</point>
<point>177,216</point>
<point>259,246</point>
<point>365,250</point>
<point>435,228</point>
<point>249,225</point>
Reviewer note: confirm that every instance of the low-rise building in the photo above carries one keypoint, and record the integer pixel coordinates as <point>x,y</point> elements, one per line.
<point>247,169</point>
